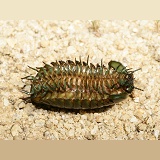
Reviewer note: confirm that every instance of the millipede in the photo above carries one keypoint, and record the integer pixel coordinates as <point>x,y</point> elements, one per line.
<point>80,85</point>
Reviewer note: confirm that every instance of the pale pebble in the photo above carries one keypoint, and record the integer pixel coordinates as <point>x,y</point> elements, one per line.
<point>133,119</point>
<point>135,30</point>
<point>71,133</point>
<point>136,99</point>
<point>142,127</point>
<point>120,47</point>
<point>83,117</point>
<point>2,42</point>
<point>16,129</point>
<point>5,102</point>
<point>156,133</point>
<point>39,122</point>
<point>44,44</point>
<point>139,113</point>
<point>99,119</point>
<point>21,105</point>
<point>71,50</point>
<point>94,130</point>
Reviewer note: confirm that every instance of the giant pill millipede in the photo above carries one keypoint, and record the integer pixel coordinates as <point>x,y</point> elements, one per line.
<point>79,85</point>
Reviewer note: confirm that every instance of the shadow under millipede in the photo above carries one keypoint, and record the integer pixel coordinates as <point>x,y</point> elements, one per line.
<point>81,111</point>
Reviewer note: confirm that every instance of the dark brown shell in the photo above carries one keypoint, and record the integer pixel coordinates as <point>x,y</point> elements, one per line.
<point>77,85</point>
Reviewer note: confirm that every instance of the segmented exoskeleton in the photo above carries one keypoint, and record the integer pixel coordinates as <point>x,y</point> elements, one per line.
<point>78,85</point>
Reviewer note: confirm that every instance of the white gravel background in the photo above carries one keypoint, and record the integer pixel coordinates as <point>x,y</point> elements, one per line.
<point>135,44</point>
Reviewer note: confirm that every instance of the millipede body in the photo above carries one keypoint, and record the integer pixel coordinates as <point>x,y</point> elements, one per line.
<point>79,85</point>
